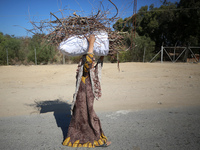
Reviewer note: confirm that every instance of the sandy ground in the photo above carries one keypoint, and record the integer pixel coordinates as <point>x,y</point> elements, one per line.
<point>138,86</point>
<point>145,106</point>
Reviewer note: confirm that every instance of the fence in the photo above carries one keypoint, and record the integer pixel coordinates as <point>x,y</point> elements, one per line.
<point>181,50</point>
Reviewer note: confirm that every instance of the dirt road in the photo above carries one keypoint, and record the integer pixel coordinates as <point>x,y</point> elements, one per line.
<point>137,86</point>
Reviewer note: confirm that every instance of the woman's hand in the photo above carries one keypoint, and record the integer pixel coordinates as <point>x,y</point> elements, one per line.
<point>91,40</point>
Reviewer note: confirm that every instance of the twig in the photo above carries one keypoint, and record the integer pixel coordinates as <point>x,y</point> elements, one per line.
<point>116,9</point>
<point>65,27</point>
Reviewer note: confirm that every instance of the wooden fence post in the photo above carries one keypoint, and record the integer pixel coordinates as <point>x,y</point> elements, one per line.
<point>7,56</point>
<point>63,59</point>
<point>144,54</point>
<point>35,57</point>
<point>162,54</point>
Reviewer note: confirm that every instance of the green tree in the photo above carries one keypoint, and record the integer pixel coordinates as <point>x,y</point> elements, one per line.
<point>11,45</point>
<point>158,24</point>
<point>44,51</point>
<point>188,30</point>
<point>119,24</point>
<point>3,44</point>
<point>24,49</point>
<point>142,49</point>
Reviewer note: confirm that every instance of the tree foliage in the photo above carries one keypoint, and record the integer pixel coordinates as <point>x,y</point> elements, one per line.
<point>188,30</point>
<point>9,46</point>
<point>22,50</point>
<point>142,49</point>
<point>44,51</point>
<point>171,23</point>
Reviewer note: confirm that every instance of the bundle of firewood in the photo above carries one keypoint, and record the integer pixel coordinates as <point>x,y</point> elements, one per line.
<point>63,28</point>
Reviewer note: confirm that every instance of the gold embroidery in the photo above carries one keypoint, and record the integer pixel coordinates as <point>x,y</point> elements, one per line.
<point>96,143</point>
<point>66,141</point>
<point>85,145</point>
<point>75,145</point>
<point>70,144</point>
<point>100,142</point>
<point>76,142</point>
<point>104,140</point>
<point>103,136</point>
<point>90,145</point>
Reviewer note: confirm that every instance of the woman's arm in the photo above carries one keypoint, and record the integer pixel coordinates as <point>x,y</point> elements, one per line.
<point>89,57</point>
<point>91,40</point>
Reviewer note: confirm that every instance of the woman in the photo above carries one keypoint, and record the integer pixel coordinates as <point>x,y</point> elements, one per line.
<point>85,127</point>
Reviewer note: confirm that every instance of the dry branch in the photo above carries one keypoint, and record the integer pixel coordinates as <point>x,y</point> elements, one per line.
<point>65,27</point>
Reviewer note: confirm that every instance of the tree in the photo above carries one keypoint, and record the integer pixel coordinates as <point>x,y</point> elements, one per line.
<point>136,53</point>
<point>21,50</point>
<point>158,24</point>
<point>11,45</point>
<point>119,25</point>
<point>44,51</point>
<point>24,49</point>
<point>3,44</point>
<point>189,23</point>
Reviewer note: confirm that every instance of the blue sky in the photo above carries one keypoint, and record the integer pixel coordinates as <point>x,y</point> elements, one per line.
<point>19,12</point>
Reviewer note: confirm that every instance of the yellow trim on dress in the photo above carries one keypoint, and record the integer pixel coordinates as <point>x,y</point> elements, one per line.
<point>86,144</point>
<point>70,144</point>
<point>76,143</point>
<point>66,141</point>
<point>101,141</point>
<point>90,145</point>
<point>96,143</point>
<point>83,79</point>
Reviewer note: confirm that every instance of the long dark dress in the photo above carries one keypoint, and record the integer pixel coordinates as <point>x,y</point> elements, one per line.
<point>85,127</point>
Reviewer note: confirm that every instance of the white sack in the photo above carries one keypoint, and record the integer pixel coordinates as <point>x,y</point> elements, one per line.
<point>75,46</point>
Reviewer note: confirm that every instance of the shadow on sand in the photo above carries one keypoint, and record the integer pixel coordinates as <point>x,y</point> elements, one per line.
<point>60,109</point>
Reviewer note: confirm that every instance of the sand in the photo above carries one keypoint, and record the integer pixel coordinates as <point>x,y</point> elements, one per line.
<point>138,86</point>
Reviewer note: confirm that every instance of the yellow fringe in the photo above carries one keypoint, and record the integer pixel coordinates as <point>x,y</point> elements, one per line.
<point>103,136</point>
<point>90,145</point>
<point>76,142</point>
<point>101,141</point>
<point>86,144</point>
<point>66,141</point>
<point>70,144</point>
<point>96,143</point>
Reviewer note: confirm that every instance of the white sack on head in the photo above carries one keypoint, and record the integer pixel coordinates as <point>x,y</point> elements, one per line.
<point>78,45</point>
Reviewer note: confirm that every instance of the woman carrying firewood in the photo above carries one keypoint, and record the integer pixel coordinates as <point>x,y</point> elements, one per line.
<point>85,127</point>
